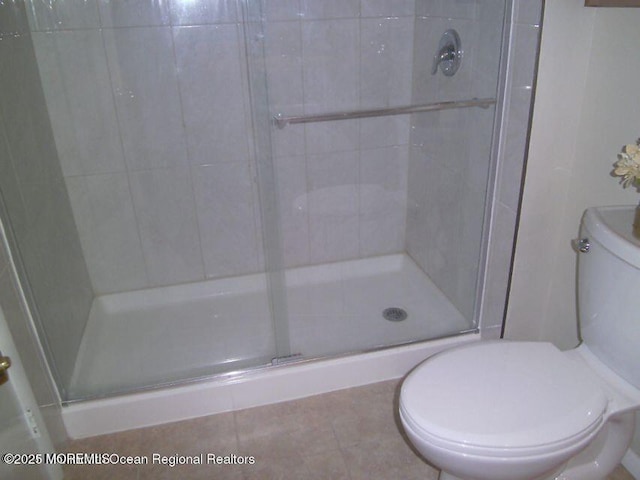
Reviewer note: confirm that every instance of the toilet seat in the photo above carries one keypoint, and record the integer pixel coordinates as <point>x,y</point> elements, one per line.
<point>517,399</point>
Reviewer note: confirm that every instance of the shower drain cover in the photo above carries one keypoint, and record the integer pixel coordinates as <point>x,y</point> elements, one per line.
<point>395,314</point>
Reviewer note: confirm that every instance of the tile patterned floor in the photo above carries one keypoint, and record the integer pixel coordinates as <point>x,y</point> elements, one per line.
<point>346,435</point>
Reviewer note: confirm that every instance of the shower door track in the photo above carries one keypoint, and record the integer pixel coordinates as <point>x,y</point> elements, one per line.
<point>282,121</point>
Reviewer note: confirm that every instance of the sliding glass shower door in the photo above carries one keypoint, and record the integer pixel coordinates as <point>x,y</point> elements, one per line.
<point>166,227</point>
<point>381,154</point>
<point>131,194</point>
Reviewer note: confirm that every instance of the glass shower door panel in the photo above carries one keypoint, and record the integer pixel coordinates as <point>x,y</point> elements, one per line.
<point>452,154</point>
<point>254,33</point>
<point>381,219</point>
<point>140,228</point>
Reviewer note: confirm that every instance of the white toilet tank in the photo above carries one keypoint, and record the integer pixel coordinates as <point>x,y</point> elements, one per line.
<point>609,289</point>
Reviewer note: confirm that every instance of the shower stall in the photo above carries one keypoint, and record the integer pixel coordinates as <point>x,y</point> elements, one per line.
<point>193,188</point>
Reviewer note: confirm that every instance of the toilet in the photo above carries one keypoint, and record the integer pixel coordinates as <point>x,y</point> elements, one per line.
<point>511,410</point>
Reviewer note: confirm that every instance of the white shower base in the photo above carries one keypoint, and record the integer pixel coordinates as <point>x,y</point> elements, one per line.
<point>167,334</point>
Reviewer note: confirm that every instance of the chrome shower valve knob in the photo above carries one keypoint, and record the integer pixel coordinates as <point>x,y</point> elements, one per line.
<point>449,56</point>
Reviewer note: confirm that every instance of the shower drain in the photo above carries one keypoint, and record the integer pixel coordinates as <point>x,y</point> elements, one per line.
<point>395,314</point>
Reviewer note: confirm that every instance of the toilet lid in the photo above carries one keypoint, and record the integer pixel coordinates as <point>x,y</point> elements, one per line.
<point>501,396</point>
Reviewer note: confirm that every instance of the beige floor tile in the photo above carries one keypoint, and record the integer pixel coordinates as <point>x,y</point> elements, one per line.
<point>351,434</point>
<point>620,473</point>
<point>364,414</point>
<point>191,472</point>
<point>301,427</point>
<point>214,434</point>
<point>283,468</point>
<point>100,472</point>
<point>328,465</point>
<point>123,443</point>
<point>389,459</point>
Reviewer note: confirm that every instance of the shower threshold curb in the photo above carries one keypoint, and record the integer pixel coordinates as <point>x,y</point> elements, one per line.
<point>253,389</point>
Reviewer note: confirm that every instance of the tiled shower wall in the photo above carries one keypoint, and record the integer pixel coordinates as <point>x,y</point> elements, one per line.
<point>342,184</point>
<point>36,214</point>
<point>149,106</point>
<point>451,149</point>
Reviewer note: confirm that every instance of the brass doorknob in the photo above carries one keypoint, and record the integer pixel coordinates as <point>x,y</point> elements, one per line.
<point>5,363</point>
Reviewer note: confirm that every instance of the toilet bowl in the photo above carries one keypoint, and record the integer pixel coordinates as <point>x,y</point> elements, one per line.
<point>509,410</point>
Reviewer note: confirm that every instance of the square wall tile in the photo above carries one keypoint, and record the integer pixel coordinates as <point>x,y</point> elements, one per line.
<point>386,61</point>
<point>13,19</point>
<point>10,187</point>
<point>213,98</point>
<point>333,206</point>
<point>525,40</point>
<point>385,8</point>
<point>383,200</point>
<point>290,140</point>
<point>26,121</point>
<point>415,244</point>
<point>103,210</point>
<point>499,266</point>
<point>165,210</point>
<point>283,59</point>
<point>424,83</point>
<point>528,12</point>
<point>293,208</point>
<point>53,260</point>
<point>441,217</point>
<point>226,218</point>
<point>133,13</point>
<point>469,244</point>
<point>77,89</point>
<point>486,59</point>
<point>203,12</point>
<point>282,10</point>
<point>145,87</point>
<point>331,52</point>
<point>447,8</point>
<point>385,131</point>
<point>475,165</point>
<point>493,10</point>
<point>317,10</point>
<point>512,165</point>
<point>47,15</point>
<point>327,137</point>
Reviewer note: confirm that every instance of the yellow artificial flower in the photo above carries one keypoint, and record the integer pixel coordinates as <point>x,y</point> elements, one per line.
<point>632,150</point>
<point>628,166</point>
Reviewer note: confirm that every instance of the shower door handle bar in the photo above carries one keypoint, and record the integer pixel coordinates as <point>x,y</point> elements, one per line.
<point>281,121</point>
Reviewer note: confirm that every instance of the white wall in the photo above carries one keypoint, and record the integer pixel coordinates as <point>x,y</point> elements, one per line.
<point>586,109</point>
